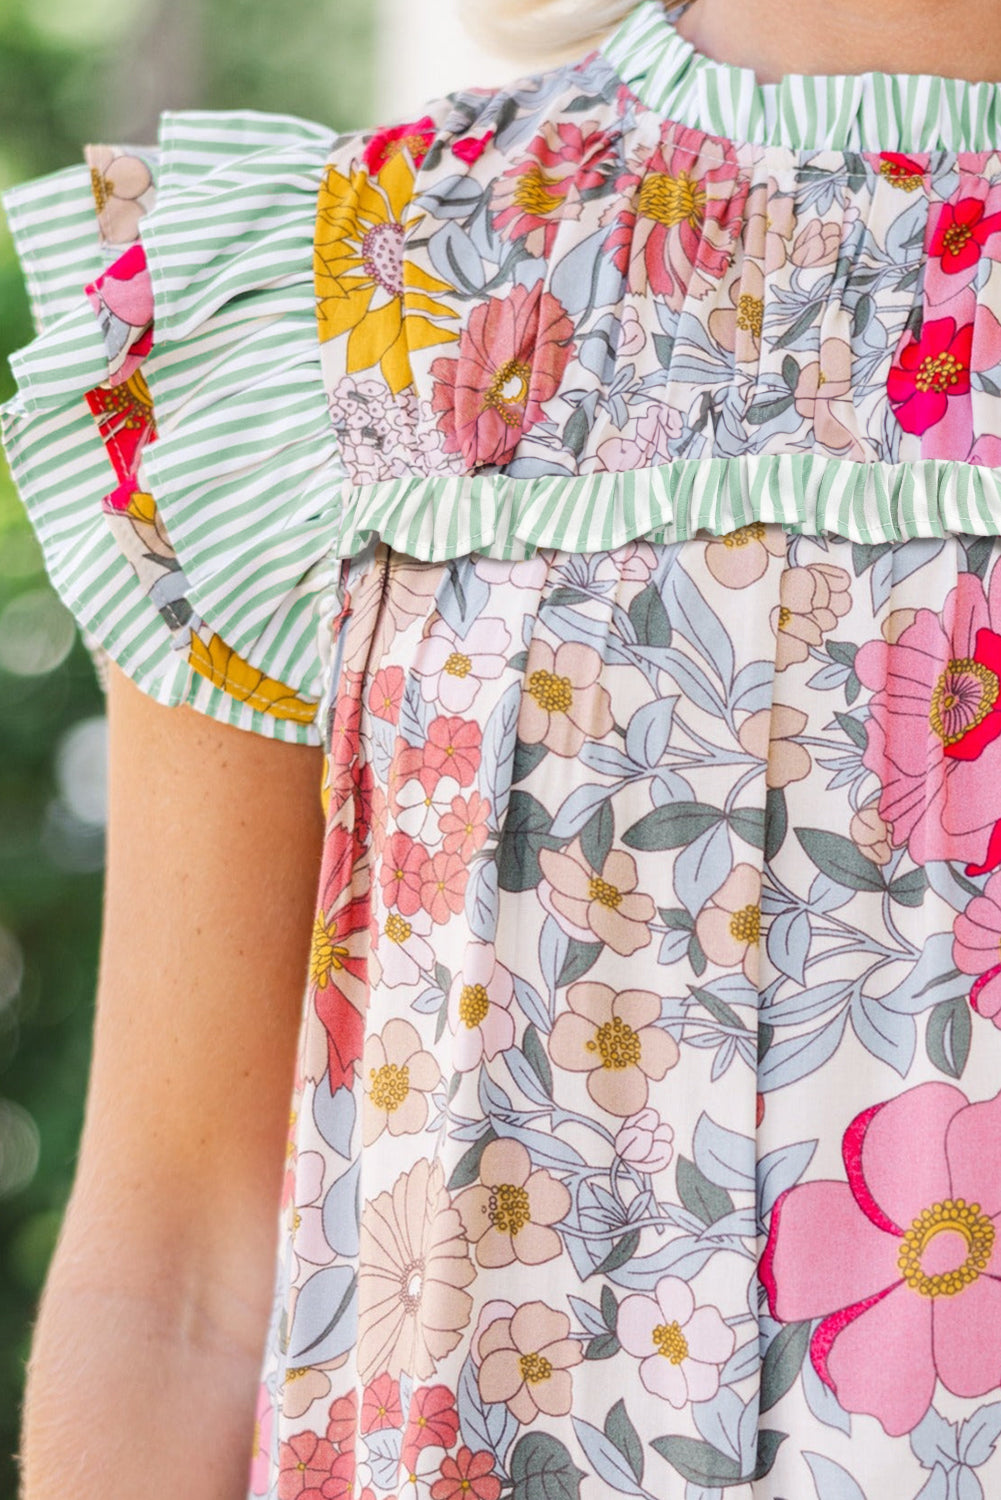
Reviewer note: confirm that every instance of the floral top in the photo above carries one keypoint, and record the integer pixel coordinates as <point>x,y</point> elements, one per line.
<point>603,470</point>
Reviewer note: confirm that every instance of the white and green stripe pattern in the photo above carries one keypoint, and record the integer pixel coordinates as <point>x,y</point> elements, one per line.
<point>435,519</point>
<point>841,112</point>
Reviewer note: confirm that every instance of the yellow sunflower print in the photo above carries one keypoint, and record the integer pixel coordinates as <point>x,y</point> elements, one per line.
<point>364,286</point>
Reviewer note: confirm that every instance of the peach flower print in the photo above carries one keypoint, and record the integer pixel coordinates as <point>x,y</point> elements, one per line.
<point>414,1267</point>
<point>729,925</point>
<point>811,602</point>
<point>120,182</point>
<point>453,667</point>
<point>563,704</point>
<point>613,1038</point>
<point>871,835</point>
<point>824,396</point>
<point>507,1214</point>
<point>770,734</point>
<point>681,1347</point>
<point>398,1076</point>
<point>903,1261</point>
<point>592,905</point>
<point>739,558</point>
<point>479,1007</point>
<point>303,1385</point>
<point>526,1362</point>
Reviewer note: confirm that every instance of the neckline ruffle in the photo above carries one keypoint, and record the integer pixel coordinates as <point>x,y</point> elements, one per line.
<point>905,112</point>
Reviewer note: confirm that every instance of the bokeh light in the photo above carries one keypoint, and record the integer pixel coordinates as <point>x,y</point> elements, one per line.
<point>36,633</point>
<point>19,1147</point>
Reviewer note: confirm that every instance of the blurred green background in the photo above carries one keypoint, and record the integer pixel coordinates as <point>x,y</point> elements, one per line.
<point>76,71</point>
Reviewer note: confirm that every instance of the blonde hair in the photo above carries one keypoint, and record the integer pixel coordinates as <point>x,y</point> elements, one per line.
<point>554,28</point>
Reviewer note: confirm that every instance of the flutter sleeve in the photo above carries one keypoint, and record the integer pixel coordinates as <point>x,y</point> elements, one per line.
<point>169,434</point>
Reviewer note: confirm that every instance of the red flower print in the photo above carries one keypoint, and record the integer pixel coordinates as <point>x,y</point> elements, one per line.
<point>545,188</point>
<point>443,885</point>
<point>380,1404</point>
<point>402,865</point>
<point>346,720</point>
<point>471,147</point>
<point>907,172</point>
<point>512,355</point>
<point>464,826</point>
<point>415,137</point>
<point>467,1476</point>
<point>340,1482</point>
<point>433,1422</point>
<point>961,233</point>
<point>930,371</point>
<point>304,1462</point>
<point>342,1418</point>
<point>385,696</point>
<point>452,749</point>
<point>903,1261</point>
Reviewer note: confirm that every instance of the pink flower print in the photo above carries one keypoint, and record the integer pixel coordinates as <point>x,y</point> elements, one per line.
<point>400,874</point>
<point>596,905</point>
<point>380,1404</point>
<point>452,668</point>
<point>304,1464</point>
<point>934,728</point>
<point>464,826</point>
<point>902,1262</point>
<point>260,1451</point>
<point>545,188</point>
<point>479,1008</point>
<point>563,703</point>
<point>443,880</point>
<point>643,442</point>
<point>508,1214</point>
<point>681,1347</point>
<point>512,355</point>
<point>122,299</point>
<point>414,136</point>
<point>646,1141</point>
<point>976,949</point>
<point>677,236</point>
<point>452,749</point>
<point>526,1361</point>
<point>385,696</point>
<point>471,147</point>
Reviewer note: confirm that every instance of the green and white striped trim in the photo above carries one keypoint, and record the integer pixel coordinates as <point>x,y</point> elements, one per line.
<point>436,519</point>
<point>802,112</point>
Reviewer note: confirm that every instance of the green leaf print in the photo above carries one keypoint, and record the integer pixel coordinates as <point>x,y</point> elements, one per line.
<point>703,1464</point>
<point>700,1196</point>
<point>673,826</point>
<point>783,1361</point>
<point>620,1431</point>
<point>947,1036</point>
<point>535,1056</point>
<point>839,858</point>
<point>542,1469</point>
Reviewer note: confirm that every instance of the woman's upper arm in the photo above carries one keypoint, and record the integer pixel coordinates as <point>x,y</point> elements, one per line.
<point>214,845</point>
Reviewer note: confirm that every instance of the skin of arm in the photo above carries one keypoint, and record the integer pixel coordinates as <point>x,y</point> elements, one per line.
<point>145,1355</point>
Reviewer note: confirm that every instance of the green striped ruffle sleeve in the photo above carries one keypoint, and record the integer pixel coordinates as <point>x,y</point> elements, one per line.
<point>169,435</point>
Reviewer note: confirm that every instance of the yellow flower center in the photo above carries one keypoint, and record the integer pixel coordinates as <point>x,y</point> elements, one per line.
<point>458,665</point>
<point>325,955</point>
<point>473,1004</point>
<point>754,531</point>
<point>100,187</point>
<point>604,892</point>
<point>534,193</point>
<point>296,1373</point>
<point>745,925</point>
<point>938,371</point>
<point>953,1215</point>
<point>669,1341</point>
<point>552,693</point>
<point>751,314</point>
<point>508,391</point>
<point>900,176</point>
<point>389,1087</point>
<point>672,200</point>
<point>534,1368</point>
<point>962,698</point>
<point>397,928</point>
<point>618,1044</point>
<point>415,144</point>
<point>785,615</point>
<point>956,237</point>
<point>509,1208</point>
